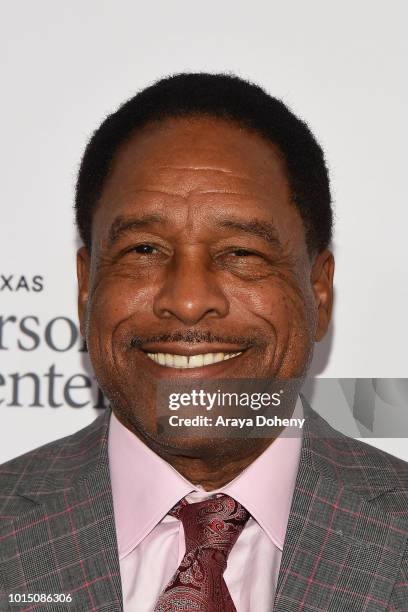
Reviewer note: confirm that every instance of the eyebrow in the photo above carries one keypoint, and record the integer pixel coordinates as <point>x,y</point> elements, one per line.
<point>255,227</point>
<point>122,225</point>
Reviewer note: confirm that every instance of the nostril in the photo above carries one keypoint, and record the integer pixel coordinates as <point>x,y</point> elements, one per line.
<point>190,294</point>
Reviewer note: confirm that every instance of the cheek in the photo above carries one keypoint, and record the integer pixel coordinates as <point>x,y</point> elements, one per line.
<point>299,338</point>
<point>119,289</point>
<point>276,305</point>
<point>284,314</point>
<point>113,303</point>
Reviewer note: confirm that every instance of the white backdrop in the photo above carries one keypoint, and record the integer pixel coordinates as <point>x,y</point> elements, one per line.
<point>340,65</point>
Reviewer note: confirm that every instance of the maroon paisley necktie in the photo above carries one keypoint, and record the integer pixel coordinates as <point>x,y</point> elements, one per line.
<point>211,528</point>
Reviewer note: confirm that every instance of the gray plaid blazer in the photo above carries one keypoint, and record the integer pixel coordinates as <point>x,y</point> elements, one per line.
<point>345,548</point>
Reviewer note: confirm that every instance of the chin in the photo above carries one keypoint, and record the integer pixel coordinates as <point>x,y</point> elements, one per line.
<point>186,445</point>
<point>203,447</point>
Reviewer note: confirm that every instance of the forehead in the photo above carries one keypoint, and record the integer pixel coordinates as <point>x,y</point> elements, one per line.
<point>200,163</point>
<point>205,143</point>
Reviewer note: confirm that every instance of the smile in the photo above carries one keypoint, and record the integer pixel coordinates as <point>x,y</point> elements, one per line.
<point>171,360</point>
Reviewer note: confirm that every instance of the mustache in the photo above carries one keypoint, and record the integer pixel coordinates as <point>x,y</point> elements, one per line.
<point>193,336</point>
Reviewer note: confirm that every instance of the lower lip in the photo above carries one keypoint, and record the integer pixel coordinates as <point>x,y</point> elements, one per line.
<point>200,372</point>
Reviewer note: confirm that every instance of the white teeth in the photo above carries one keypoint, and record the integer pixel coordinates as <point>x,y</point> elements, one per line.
<point>171,360</point>
<point>161,358</point>
<point>208,358</point>
<point>178,361</point>
<point>196,361</point>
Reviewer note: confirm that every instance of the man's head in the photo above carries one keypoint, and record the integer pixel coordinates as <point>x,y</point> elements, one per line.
<point>204,206</point>
<point>226,97</point>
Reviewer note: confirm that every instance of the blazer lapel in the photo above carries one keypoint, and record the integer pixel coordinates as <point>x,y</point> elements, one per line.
<point>342,550</point>
<point>64,540</point>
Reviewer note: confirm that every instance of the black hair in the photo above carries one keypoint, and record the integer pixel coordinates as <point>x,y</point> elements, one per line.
<point>222,96</point>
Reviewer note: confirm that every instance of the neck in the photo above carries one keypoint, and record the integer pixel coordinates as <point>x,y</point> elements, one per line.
<point>211,466</point>
<point>214,472</point>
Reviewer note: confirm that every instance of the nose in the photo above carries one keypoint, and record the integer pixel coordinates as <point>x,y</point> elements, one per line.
<point>190,292</point>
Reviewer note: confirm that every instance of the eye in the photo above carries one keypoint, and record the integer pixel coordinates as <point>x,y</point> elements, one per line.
<point>144,249</point>
<point>242,253</point>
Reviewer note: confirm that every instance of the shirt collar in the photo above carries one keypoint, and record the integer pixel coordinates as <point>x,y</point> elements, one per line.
<point>145,487</point>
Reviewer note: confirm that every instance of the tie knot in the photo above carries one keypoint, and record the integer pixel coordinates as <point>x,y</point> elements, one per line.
<point>214,523</point>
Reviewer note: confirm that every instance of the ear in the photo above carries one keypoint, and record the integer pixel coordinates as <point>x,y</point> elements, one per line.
<point>83,274</point>
<point>322,282</point>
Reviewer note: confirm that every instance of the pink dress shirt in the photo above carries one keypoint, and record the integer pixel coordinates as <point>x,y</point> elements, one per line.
<point>151,543</point>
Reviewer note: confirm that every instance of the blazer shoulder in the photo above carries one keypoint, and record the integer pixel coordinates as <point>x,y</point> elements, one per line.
<point>359,466</point>
<point>56,462</point>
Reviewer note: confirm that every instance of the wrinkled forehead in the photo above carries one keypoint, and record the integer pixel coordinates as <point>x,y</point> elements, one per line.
<point>199,169</point>
<point>197,152</point>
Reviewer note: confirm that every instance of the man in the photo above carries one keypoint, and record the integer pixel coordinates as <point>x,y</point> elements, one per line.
<point>204,207</point>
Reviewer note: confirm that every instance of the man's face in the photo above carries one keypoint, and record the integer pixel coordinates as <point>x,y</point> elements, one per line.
<point>197,251</point>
